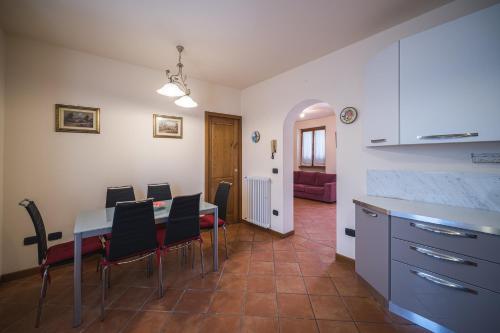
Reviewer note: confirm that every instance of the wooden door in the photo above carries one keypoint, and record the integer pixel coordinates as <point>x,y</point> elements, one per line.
<point>223,159</point>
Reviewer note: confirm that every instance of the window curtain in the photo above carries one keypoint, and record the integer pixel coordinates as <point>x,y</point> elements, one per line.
<point>307,153</point>
<point>319,148</point>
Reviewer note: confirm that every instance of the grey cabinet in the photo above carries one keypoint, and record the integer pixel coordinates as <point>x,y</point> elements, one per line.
<point>372,248</point>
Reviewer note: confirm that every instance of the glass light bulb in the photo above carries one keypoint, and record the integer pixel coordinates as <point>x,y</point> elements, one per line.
<point>186,102</point>
<point>170,90</point>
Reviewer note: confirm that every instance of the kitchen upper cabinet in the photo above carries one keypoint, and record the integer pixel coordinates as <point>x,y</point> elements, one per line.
<point>450,81</point>
<point>381,119</point>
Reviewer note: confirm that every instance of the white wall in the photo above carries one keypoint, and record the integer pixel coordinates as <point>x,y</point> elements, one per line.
<point>330,149</point>
<point>273,106</point>
<point>69,172</point>
<point>2,128</point>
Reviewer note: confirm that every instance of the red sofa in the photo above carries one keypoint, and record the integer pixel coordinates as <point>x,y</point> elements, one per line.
<point>315,185</point>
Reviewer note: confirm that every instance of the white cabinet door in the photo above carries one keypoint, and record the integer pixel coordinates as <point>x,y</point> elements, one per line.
<point>450,81</point>
<point>381,116</point>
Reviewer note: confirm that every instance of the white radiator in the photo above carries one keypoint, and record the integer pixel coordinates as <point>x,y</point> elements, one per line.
<point>258,207</point>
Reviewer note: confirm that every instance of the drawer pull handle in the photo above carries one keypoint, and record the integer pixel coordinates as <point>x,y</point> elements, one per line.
<point>443,282</point>
<point>367,212</point>
<point>442,231</point>
<point>447,136</point>
<point>442,256</point>
<point>378,140</point>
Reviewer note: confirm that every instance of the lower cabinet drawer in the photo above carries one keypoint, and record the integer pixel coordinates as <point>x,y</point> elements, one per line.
<point>477,272</point>
<point>456,305</point>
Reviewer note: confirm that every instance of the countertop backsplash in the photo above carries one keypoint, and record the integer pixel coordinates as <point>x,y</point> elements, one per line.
<point>462,189</point>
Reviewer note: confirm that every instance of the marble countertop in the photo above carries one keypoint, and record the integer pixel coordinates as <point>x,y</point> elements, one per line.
<point>480,220</point>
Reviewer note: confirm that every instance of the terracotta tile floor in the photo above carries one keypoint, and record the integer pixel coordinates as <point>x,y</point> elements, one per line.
<point>267,285</point>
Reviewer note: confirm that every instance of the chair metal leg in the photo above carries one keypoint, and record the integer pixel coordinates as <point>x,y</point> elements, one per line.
<point>160,277</point>
<point>104,283</point>
<point>108,276</point>
<point>43,292</point>
<point>211,238</point>
<point>225,240</point>
<point>192,255</point>
<point>149,266</point>
<point>201,259</point>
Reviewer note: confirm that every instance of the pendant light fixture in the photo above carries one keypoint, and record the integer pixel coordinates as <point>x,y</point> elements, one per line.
<point>177,87</point>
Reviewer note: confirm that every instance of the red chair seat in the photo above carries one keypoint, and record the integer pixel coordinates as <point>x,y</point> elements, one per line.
<point>207,221</point>
<point>160,236</point>
<point>65,251</point>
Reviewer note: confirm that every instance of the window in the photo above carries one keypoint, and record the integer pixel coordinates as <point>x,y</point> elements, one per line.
<point>313,147</point>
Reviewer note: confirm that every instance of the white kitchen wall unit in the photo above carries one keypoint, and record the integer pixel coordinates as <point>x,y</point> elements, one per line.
<point>450,81</point>
<point>381,119</point>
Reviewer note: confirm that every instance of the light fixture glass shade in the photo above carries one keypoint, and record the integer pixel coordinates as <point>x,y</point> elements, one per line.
<point>170,90</point>
<point>186,102</point>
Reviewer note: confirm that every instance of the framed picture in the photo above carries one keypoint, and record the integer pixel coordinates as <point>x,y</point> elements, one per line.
<point>167,126</point>
<point>78,119</point>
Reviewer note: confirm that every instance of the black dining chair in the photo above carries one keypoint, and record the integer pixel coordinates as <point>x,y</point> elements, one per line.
<point>119,193</point>
<point>55,255</point>
<point>182,228</point>
<point>159,192</point>
<point>221,200</point>
<point>133,238</point>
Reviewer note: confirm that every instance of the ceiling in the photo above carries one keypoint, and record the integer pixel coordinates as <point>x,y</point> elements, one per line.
<point>231,42</point>
<point>318,110</point>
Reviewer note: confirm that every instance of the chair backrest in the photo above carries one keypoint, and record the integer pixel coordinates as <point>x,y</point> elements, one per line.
<point>221,198</point>
<point>159,192</point>
<point>41,236</point>
<point>119,193</point>
<point>184,219</point>
<point>133,231</point>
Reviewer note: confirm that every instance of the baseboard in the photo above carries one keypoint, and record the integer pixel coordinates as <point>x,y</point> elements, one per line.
<point>19,274</point>
<point>275,233</point>
<point>344,259</point>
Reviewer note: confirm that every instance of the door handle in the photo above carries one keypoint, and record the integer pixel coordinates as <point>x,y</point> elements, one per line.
<point>442,282</point>
<point>442,231</point>
<point>447,136</point>
<point>369,213</point>
<point>378,140</point>
<point>442,256</point>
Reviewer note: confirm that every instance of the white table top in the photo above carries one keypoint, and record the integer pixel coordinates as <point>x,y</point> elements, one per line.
<point>99,221</point>
<point>465,218</point>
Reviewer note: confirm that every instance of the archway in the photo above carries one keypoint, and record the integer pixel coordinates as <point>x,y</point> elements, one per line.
<point>289,142</point>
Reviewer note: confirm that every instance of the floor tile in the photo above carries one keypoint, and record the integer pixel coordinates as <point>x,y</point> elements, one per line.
<point>262,256</point>
<point>227,302</point>
<point>320,285</point>
<point>166,303</point>
<point>147,322</point>
<point>261,267</point>
<point>261,283</point>
<point>330,326</point>
<point>294,305</point>
<point>233,282</point>
<point>221,324</point>
<point>132,299</point>
<point>351,286</point>
<point>290,284</point>
<point>366,309</point>
<point>329,307</point>
<point>194,301</point>
<point>287,268</point>
<point>291,325</point>
<point>259,325</point>
<point>285,256</point>
<point>261,304</point>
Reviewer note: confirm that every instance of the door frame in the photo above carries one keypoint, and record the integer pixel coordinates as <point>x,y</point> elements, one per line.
<point>209,114</point>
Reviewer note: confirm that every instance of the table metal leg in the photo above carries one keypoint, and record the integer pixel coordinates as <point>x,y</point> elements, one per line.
<point>77,281</point>
<point>215,243</point>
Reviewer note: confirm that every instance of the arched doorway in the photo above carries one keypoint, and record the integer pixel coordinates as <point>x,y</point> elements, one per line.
<point>313,112</point>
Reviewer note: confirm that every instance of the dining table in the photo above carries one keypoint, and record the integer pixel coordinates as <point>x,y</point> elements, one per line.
<point>99,222</point>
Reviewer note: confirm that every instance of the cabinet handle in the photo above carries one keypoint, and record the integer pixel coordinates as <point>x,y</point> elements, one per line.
<point>442,256</point>
<point>367,212</point>
<point>447,136</point>
<point>378,140</point>
<point>442,231</point>
<point>443,282</point>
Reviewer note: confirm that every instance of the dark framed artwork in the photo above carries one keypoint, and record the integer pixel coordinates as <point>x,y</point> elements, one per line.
<point>77,119</point>
<point>167,126</point>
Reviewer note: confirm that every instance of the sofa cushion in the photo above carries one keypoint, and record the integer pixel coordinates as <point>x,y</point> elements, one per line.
<point>314,189</point>
<point>296,175</point>
<point>323,178</point>
<point>298,187</point>
<point>308,178</point>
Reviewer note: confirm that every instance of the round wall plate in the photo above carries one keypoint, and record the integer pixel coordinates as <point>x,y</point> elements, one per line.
<point>255,136</point>
<point>348,115</point>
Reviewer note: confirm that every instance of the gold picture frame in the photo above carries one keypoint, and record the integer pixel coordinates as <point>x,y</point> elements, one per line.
<point>77,119</point>
<point>167,126</point>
